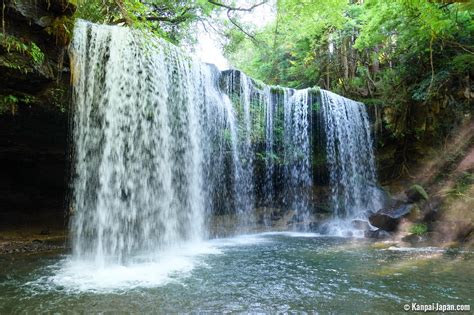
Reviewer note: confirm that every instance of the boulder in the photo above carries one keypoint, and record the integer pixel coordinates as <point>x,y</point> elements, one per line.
<point>414,238</point>
<point>388,218</point>
<point>416,193</point>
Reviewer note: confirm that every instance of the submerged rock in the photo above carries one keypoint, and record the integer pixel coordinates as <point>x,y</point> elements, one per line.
<point>388,218</point>
<point>416,193</point>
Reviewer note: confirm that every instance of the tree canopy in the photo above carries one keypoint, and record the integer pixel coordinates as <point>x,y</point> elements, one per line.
<point>411,59</point>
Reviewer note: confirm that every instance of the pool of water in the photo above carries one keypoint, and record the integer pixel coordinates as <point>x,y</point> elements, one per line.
<point>266,272</point>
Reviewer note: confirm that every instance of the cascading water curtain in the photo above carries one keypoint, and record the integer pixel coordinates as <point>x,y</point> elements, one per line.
<point>159,147</point>
<point>148,127</point>
<point>297,132</point>
<point>270,156</point>
<point>257,110</point>
<point>350,156</point>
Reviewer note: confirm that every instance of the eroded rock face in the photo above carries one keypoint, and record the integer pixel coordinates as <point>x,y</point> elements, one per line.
<point>33,39</point>
<point>34,100</point>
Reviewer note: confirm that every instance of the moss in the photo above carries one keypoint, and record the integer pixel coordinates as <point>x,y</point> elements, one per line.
<point>316,106</point>
<point>314,90</point>
<point>276,89</point>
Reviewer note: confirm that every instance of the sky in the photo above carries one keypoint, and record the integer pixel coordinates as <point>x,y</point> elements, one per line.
<point>209,46</point>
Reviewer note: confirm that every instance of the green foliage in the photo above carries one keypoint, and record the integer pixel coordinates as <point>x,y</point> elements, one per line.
<point>61,29</point>
<point>169,19</point>
<point>419,229</point>
<point>412,60</point>
<point>36,54</point>
<point>13,44</point>
<point>462,185</point>
<point>9,103</point>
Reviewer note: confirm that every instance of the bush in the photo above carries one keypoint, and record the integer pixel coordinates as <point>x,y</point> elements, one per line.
<point>419,229</point>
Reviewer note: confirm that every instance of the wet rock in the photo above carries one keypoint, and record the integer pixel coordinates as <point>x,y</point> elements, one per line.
<point>20,71</point>
<point>416,193</point>
<point>360,225</point>
<point>388,218</point>
<point>377,234</point>
<point>40,12</point>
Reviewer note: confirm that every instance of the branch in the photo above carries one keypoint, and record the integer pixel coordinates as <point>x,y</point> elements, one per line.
<point>173,20</point>
<point>252,37</point>
<point>126,18</point>
<point>230,8</point>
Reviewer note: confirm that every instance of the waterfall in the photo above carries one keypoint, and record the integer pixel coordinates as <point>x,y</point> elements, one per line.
<point>350,156</point>
<point>149,148</point>
<point>269,145</point>
<point>244,180</point>
<point>297,151</point>
<point>259,116</point>
<point>164,143</point>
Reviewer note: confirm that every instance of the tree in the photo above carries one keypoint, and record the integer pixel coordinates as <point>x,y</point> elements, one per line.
<point>410,60</point>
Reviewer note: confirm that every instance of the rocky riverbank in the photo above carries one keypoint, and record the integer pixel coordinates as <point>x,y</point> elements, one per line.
<point>32,240</point>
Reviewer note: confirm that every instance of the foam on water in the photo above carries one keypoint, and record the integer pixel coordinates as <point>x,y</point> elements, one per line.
<point>146,271</point>
<point>142,272</point>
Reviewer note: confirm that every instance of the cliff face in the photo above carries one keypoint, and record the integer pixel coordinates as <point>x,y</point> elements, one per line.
<point>34,101</point>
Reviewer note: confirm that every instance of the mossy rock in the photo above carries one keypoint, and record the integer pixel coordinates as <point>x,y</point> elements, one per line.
<point>416,193</point>
<point>21,72</point>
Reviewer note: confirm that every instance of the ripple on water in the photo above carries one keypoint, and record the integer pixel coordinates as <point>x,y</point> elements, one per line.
<point>267,272</point>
